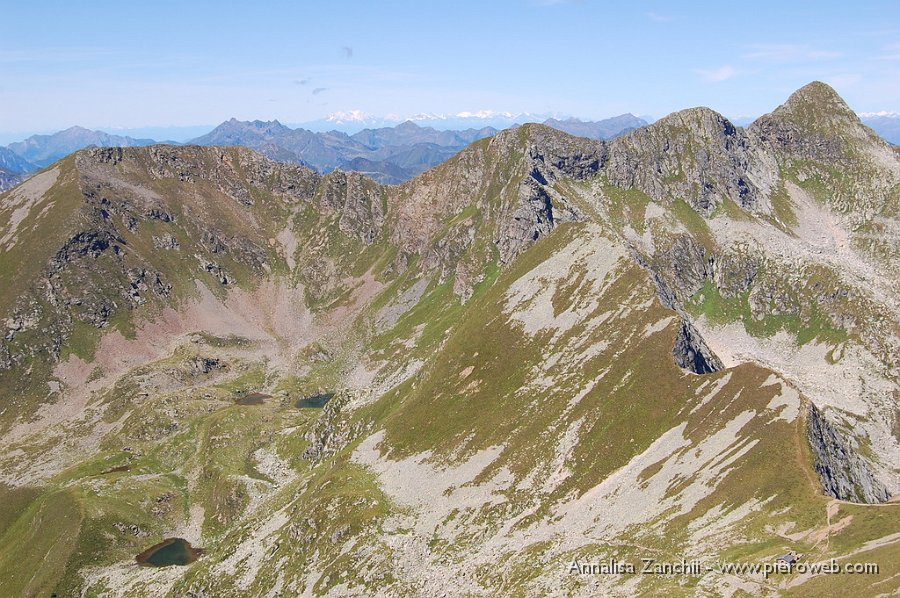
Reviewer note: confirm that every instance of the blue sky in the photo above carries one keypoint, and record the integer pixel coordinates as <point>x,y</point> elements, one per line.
<point>159,63</point>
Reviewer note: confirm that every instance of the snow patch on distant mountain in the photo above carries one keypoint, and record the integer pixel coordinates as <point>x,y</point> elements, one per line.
<point>884,122</point>
<point>885,113</point>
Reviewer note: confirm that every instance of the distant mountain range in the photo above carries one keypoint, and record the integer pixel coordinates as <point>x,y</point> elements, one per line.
<point>602,129</point>
<point>388,154</point>
<point>43,150</point>
<point>13,168</point>
<point>355,120</point>
<point>886,124</point>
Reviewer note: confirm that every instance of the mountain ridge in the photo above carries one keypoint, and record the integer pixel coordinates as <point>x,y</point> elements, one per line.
<point>545,348</point>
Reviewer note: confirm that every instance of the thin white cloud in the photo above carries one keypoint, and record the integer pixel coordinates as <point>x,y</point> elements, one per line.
<point>659,18</point>
<point>785,53</point>
<point>723,73</point>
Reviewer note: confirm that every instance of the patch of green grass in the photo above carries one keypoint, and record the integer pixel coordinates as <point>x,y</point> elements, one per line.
<point>44,536</point>
<point>694,222</point>
<point>720,310</point>
<point>731,209</point>
<point>785,216</point>
<point>627,206</point>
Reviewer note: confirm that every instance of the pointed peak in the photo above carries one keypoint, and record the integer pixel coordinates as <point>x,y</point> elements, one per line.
<point>816,124</point>
<point>817,98</point>
<point>816,91</point>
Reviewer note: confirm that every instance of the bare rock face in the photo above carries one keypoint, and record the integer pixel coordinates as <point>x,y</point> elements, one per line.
<point>537,207</point>
<point>692,353</point>
<point>685,266</point>
<point>333,430</point>
<point>358,201</point>
<point>696,155</point>
<point>844,474</point>
<point>733,272</point>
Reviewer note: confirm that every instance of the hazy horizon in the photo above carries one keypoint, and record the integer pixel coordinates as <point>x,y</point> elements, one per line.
<point>116,67</point>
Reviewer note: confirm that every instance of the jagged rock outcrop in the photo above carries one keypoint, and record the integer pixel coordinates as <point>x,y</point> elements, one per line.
<point>333,430</point>
<point>734,270</point>
<point>685,265</point>
<point>692,353</point>
<point>844,474</point>
<point>696,155</point>
<point>360,204</point>
<point>538,208</point>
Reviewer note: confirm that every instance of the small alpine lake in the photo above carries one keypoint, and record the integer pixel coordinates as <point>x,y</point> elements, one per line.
<point>316,401</point>
<point>171,551</point>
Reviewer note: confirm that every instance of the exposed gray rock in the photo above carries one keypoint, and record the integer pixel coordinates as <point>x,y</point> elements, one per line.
<point>205,365</point>
<point>166,242</point>
<point>359,203</point>
<point>692,353</point>
<point>333,430</point>
<point>844,474</point>
<point>733,272</point>
<point>696,155</point>
<point>216,270</point>
<point>809,124</point>
<point>538,208</point>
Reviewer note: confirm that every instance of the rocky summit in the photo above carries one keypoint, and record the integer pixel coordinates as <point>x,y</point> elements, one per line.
<point>530,370</point>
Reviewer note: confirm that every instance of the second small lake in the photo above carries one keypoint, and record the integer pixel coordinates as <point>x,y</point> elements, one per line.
<point>253,398</point>
<point>316,401</point>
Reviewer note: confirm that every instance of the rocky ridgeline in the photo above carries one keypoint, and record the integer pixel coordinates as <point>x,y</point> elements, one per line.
<point>696,155</point>
<point>221,209</point>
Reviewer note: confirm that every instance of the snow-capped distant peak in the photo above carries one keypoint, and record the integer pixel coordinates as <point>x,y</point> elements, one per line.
<point>486,114</point>
<point>352,116</point>
<point>425,116</point>
<point>885,113</point>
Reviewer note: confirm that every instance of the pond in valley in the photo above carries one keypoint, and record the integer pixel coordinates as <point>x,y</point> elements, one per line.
<point>316,401</point>
<point>253,398</point>
<point>171,551</point>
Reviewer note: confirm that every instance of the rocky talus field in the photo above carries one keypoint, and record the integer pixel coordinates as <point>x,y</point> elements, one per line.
<point>547,351</point>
